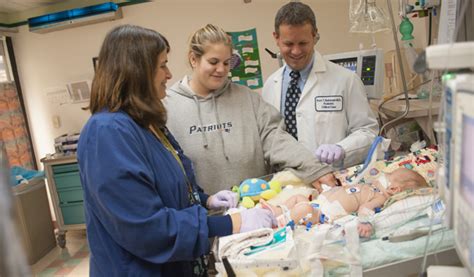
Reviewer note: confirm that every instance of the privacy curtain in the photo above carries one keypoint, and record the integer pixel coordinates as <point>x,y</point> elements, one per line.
<point>13,129</point>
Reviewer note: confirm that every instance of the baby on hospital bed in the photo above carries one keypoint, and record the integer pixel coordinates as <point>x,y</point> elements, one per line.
<point>343,200</point>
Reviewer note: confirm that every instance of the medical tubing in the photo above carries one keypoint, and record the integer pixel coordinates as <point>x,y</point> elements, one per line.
<point>402,6</point>
<point>412,80</point>
<point>400,64</point>
<point>439,242</point>
<point>425,255</point>
<point>374,44</point>
<point>390,98</point>
<point>400,93</point>
<point>399,54</point>
<point>368,159</point>
<point>430,112</point>
<point>373,147</point>
<point>440,129</point>
<point>273,55</point>
<point>430,25</point>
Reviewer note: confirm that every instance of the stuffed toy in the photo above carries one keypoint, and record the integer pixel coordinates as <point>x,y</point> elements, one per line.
<point>252,190</point>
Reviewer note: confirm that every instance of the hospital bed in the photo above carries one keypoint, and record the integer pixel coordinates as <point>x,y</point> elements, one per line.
<point>377,256</point>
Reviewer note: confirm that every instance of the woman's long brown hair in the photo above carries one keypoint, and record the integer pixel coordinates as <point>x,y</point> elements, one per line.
<point>124,79</point>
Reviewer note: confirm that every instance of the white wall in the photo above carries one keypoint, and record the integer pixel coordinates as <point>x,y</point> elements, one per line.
<point>49,61</point>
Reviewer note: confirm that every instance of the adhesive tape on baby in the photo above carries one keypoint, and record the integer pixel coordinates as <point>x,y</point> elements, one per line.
<point>383,180</point>
<point>325,187</point>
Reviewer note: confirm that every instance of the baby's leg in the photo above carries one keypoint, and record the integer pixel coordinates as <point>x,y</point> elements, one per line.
<point>274,209</point>
<point>304,212</point>
<point>289,203</point>
<point>296,208</point>
<point>295,199</point>
<point>281,213</point>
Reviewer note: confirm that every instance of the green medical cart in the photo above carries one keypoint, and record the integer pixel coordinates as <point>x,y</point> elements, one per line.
<point>62,173</point>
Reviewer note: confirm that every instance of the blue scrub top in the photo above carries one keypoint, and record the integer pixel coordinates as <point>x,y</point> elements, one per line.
<point>139,218</point>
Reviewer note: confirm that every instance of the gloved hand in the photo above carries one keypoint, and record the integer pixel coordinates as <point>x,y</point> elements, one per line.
<point>222,199</point>
<point>329,153</point>
<point>256,218</point>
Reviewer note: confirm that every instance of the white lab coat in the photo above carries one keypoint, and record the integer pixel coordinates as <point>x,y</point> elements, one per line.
<point>348,122</point>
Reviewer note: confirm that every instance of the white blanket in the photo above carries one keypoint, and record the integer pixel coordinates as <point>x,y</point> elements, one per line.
<point>235,246</point>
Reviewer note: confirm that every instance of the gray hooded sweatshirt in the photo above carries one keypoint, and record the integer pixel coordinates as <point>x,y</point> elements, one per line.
<point>232,134</point>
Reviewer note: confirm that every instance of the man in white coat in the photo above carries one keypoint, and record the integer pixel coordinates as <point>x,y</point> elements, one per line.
<point>324,105</point>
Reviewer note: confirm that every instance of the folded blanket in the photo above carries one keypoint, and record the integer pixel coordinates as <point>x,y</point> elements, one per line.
<point>235,246</point>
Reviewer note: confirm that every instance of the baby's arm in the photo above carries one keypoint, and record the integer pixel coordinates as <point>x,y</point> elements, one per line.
<point>369,207</point>
<point>366,229</point>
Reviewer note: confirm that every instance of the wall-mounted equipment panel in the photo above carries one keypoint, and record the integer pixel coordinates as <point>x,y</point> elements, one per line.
<point>73,18</point>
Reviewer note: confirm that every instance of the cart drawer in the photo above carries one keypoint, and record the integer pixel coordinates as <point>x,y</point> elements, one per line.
<point>67,180</point>
<point>61,168</point>
<point>73,195</point>
<point>73,213</point>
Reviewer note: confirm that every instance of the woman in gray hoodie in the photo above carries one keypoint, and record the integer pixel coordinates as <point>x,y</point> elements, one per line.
<point>227,130</point>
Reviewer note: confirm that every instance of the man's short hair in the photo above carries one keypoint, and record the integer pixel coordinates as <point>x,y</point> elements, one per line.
<point>295,14</point>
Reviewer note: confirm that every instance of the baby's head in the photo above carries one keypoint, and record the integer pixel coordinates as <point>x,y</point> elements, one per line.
<point>403,179</point>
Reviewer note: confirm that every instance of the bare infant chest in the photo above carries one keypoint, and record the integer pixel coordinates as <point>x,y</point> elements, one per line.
<point>350,197</point>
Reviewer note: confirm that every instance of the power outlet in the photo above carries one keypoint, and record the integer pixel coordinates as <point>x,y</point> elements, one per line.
<point>56,121</point>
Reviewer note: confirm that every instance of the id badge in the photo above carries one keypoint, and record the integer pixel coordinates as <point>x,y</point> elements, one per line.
<point>328,103</point>
<point>196,197</point>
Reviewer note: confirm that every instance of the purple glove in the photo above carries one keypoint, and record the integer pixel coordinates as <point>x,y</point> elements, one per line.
<point>329,153</point>
<point>222,199</point>
<point>256,218</point>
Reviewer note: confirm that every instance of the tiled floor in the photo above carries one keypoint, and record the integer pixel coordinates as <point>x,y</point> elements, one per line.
<point>73,260</point>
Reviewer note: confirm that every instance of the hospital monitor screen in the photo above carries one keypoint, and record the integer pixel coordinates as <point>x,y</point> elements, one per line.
<point>463,173</point>
<point>368,64</point>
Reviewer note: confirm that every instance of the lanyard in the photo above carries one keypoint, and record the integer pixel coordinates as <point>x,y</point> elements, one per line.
<point>193,196</point>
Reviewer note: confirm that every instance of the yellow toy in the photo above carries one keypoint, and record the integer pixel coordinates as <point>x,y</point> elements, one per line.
<point>251,190</point>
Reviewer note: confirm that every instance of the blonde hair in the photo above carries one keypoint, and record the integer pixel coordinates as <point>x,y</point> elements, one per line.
<point>209,34</point>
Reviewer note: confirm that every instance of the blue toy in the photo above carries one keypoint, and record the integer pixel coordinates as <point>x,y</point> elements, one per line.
<point>252,190</point>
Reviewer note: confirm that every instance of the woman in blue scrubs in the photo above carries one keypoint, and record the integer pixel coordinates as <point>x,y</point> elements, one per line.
<point>145,214</point>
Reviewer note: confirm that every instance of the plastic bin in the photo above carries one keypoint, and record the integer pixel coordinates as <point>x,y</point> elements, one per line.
<point>33,219</point>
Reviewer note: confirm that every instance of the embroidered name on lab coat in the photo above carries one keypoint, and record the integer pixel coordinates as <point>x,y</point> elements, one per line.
<point>328,103</point>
